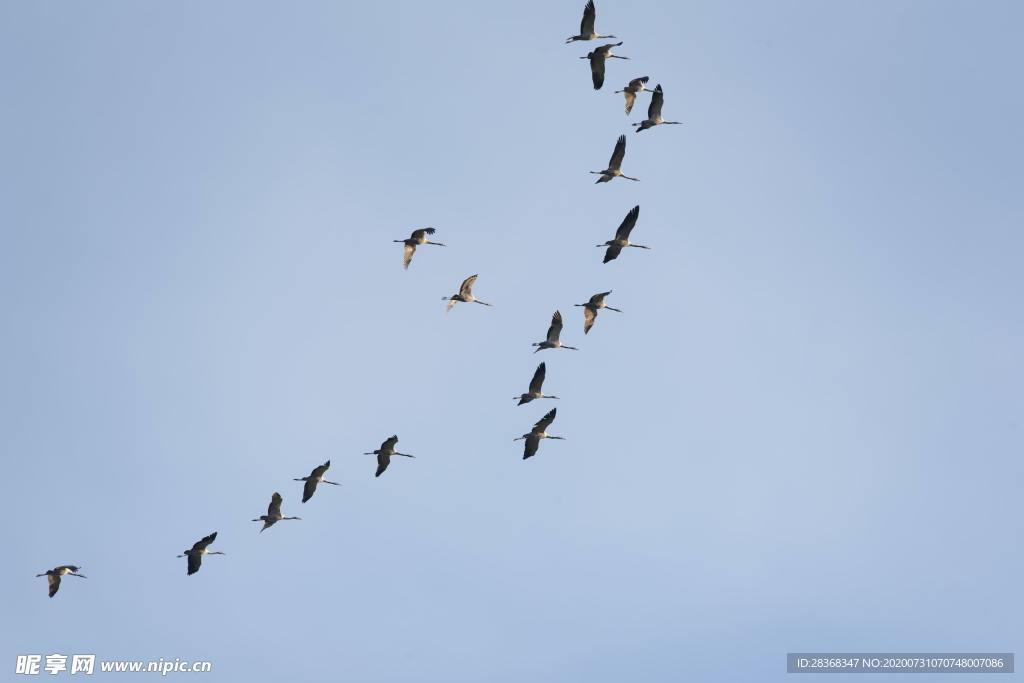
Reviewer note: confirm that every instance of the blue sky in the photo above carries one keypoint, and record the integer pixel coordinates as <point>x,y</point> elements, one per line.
<point>803,434</point>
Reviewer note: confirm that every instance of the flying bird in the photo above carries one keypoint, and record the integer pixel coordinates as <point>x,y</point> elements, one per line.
<point>53,576</point>
<point>654,112</point>
<point>535,386</point>
<point>615,163</point>
<point>635,87</point>
<point>621,241</point>
<point>587,31</point>
<point>552,341</point>
<point>315,477</point>
<point>597,58</point>
<point>196,552</point>
<point>273,515</point>
<point>465,294</point>
<point>591,308</point>
<point>538,432</point>
<point>417,238</point>
<point>384,453</point>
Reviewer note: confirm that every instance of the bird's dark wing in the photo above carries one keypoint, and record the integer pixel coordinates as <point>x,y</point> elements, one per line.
<point>538,379</point>
<point>467,286</point>
<point>627,224</point>
<point>597,69</point>
<point>599,297</point>
<point>309,489</point>
<point>54,581</point>
<point>637,82</point>
<point>274,509</point>
<point>657,99</point>
<point>589,314</point>
<point>611,253</point>
<point>545,422</point>
<point>530,448</point>
<point>382,463</point>
<point>202,543</point>
<point>195,560</point>
<point>630,99</point>
<point>618,153</point>
<point>389,443</point>
<point>417,235</point>
<point>589,17</point>
<point>556,327</point>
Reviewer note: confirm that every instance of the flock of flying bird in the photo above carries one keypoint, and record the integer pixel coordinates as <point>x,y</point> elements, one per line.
<point>552,340</point>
